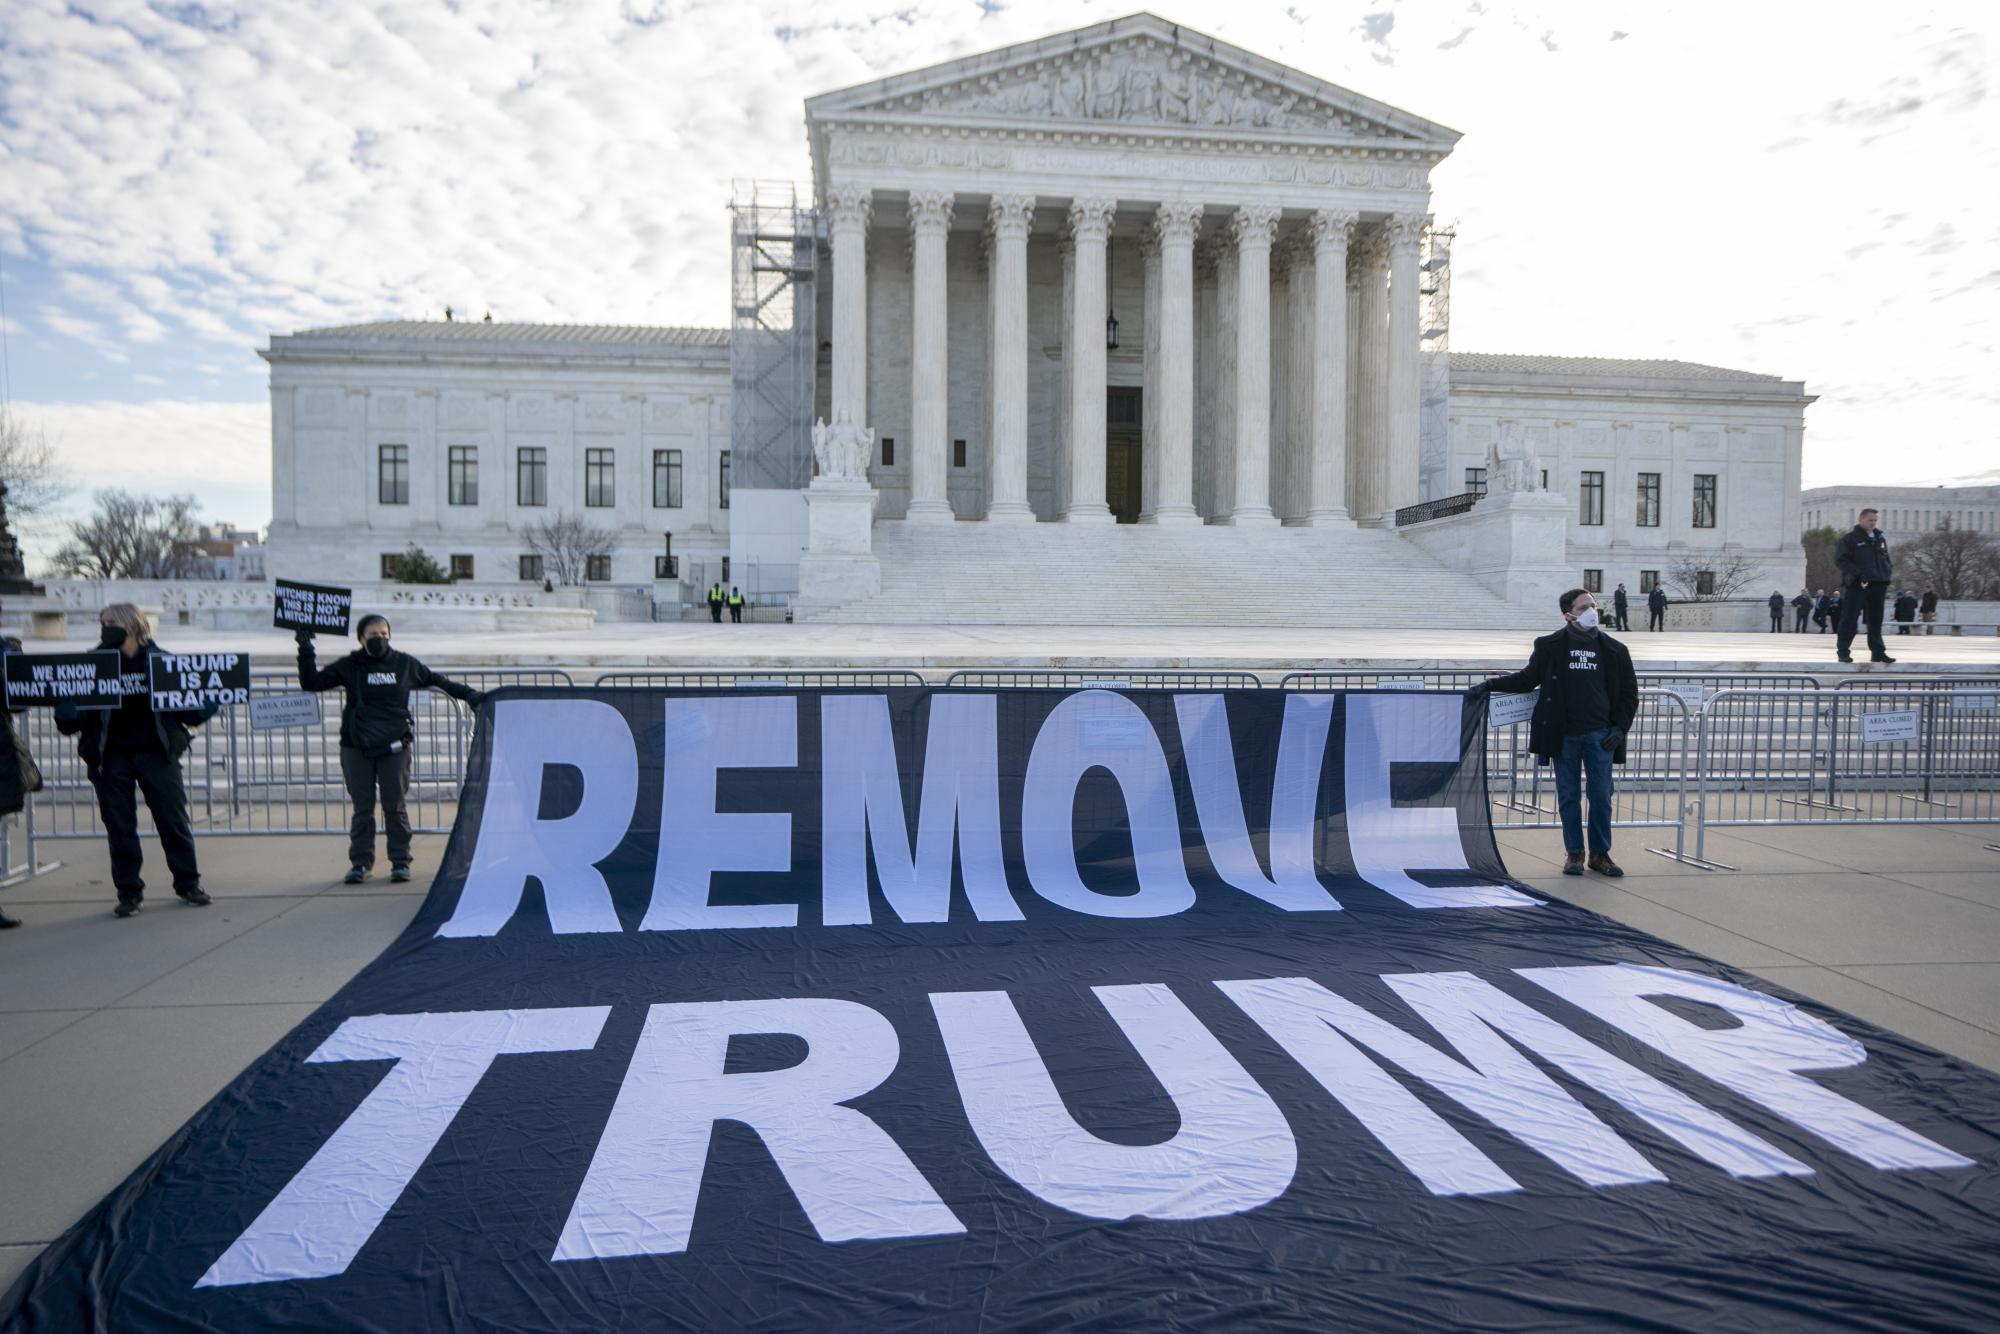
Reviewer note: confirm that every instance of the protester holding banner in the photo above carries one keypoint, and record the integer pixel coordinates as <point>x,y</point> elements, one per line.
<point>132,749</point>
<point>376,732</point>
<point>13,791</point>
<point>1589,696</point>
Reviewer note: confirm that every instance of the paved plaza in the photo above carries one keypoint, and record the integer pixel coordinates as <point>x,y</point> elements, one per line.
<point>696,645</point>
<point>113,1033</point>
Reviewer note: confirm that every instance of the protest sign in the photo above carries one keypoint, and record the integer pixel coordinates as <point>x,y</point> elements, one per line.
<point>183,681</point>
<point>88,680</point>
<point>320,608</point>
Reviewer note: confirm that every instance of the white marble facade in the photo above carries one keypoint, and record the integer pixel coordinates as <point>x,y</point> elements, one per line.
<point>484,395</point>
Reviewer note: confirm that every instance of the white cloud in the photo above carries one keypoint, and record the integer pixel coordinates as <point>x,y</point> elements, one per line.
<point>1796,188</point>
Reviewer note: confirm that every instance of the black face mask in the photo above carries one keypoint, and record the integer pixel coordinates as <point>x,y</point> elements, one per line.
<point>375,646</point>
<point>112,636</point>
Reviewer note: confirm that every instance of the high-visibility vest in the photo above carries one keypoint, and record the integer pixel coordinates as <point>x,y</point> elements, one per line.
<point>735,599</point>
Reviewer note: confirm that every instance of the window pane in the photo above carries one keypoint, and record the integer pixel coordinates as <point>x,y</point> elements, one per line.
<point>666,479</point>
<point>1593,580</point>
<point>597,568</point>
<point>461,567</point>
<point>1648,580</point>
<point>888,451</point>
<point>1649,500</point>
<point>1475,481</point>
<point>723,472</point>
<point>958,453</point>
<point>1704,582</point>
<point>599,488</point>
<point>1590,499</point>
<point>531,567</point>
<point>463,476</point>
<point>1704,500</point>
<point>388,565</point>
<point>392,474</point>
<point>531,476</point>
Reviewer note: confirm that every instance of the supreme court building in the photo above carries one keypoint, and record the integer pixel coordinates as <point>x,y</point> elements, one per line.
<point>1127,279</point>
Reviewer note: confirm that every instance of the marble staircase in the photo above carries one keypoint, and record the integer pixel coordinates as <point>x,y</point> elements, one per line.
<point>1141,574</point>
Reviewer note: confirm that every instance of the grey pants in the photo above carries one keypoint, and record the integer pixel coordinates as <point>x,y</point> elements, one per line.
<point>386,776</point>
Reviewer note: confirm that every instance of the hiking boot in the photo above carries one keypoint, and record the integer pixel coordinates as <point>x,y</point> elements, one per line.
<point>126,907</point>
<point>400,873</point>
<point>1574,865</point>
<point>1601,863</point>
<point>195,898</point>
<point>1843,657</point>
<point>355,875</point>
<point>1880,657</point>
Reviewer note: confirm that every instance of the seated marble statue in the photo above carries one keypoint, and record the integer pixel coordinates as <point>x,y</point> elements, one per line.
<point>841,449</point>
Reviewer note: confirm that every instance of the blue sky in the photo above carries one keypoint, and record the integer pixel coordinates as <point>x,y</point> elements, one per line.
<point>1796,188</point>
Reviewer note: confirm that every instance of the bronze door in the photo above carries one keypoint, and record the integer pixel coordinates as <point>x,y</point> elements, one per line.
<point>1124,460</point>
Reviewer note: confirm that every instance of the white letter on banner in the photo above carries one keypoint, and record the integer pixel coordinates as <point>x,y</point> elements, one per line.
<point>1092,729</point>
<point>1211,765</point>
<point>1502,1085</point>
<point>638,1198</point>
<point>514,843</point>
<point>705,734</point>
<point>1385,728</point>
<point>1759,1059</point>
<point>324,1216</point>
<point>862,797</point>
<point>1234,1150</point>
<point>1471,1013</point>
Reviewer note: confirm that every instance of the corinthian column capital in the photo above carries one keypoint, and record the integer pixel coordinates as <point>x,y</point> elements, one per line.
<point>1177,223</point>
<point>1090,219</point>
<point>849,206</point>
<point>1405,230</point>
<point>1010,216</point>
<point>1333,229</point>
<point>1254,225</point>
<point>930,211</point>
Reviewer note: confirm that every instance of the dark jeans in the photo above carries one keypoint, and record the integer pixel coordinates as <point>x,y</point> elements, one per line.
<point>1777,622</point>
<point>1865,600</point>
<point>1656,620</point>
<point>389,777</point>
<point>1588,752</point>
<point>715,612</point>
<point>736,613</point>
<point>122,775</point>
<point>1800,628</point>
<point>1618,616</point>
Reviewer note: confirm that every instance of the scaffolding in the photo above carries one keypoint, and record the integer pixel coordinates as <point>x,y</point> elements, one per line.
<point>774,250</point>
<point>1434,321</point>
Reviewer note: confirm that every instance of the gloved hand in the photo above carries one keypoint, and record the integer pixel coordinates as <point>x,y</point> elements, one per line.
<point>304,637</point>
<point>66,710</point>
<point>476,700</point>
<point>1477,694</point>
<point>1614,738</point>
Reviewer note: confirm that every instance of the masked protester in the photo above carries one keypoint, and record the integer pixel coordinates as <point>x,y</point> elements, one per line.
<point>13,794</point>
<point>130,750</point>
<point>376,731</point>
<point>1590,694</point>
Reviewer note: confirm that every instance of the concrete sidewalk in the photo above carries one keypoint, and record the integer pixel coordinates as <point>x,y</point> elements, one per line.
<point>113,1033</point>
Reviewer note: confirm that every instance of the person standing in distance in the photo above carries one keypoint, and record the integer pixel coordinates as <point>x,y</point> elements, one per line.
<point>376,730</point>
<point>130,750</point>
<point>1620,605</point>
<point>1862,557</point>
<point>1776,602</point>
<point>1656,609</point>
<point>13,790</point>
<point>1802,605</point>
<point>1590,694</point>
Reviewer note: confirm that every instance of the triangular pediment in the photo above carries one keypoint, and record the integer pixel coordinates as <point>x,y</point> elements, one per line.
<point>1139,72</point>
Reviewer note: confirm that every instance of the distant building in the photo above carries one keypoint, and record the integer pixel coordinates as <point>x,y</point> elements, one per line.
<point>224,552</point>
<point>1905,509</point>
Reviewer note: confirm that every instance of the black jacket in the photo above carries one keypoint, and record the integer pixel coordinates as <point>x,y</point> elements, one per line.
<point>1802,603</point>
<point>1928,603</point>
<point>1618,601</point>
<point>1862,557</point>
<point>1544,672</point>
<point>376,713</point>
<point>13,796</point>
<point>1906,607</point>
<point>93,726</point>
<point>1656,600</point>
<point>1777,603</point>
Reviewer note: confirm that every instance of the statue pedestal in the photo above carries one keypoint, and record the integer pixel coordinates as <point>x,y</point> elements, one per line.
<point>1516,543</point>
<point>839,565</point>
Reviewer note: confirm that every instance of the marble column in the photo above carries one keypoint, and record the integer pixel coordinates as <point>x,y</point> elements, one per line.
<point>848,211</point>
<point>1372,501</point>
<point>1405,411</point>
<point>1301,293</point>
<point>1253,227</point>
<point>1010,217</point>
<point>1353,414</point>
<point>1327,507</point>
<point>1149,376</point>
<point>1090,227</point>
<point>1172,408</point>
<point>930,433</point>
<point>1223,448</point>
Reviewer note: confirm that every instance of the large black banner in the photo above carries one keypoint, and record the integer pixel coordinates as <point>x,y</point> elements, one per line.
<point>938,1009</point>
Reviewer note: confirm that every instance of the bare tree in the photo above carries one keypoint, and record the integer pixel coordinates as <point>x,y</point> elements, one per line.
<point>566,543</point>
<point>1955,563</point>
<point>129,536</point>
<point>1730,573</point>
<point>35,480</point>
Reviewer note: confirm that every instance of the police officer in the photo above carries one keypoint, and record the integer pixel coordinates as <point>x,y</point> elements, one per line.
<point>1656,609</point>
<point>735,604</point>
<point>1862,557</point>
<point>130,750</point>
<point>376,731</point>
<point>715,603</point>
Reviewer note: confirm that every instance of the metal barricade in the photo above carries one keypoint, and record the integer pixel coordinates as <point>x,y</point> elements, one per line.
<point>1105,679</point>
<point>770,680</point>
<point>1389,679</point>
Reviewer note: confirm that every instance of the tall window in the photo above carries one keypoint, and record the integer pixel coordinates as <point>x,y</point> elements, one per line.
<point>958,453</point>
<point>1704,583</point>
<point>888,451</point>
<point>597,568</point>
<point>388,567</point>
<point>1648,581</point>
<point>531,476</point>
<point>1591,500</point>
<point>461,567</point>
<point>666,479</point>
<point>1704,500</point>
<point>722,471</point>
<point>1649,500</point>
<point>1593,581</point>
<point>392,474</point>
<point>531,567</point>
<point>1475,481</point>
<point>599,489</point>
<point>462,478</point>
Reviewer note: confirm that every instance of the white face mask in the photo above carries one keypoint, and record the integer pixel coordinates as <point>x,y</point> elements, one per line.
<point>1587,619</point>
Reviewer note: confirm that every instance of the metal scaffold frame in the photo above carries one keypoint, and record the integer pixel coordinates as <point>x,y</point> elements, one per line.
<point>774,249</point>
